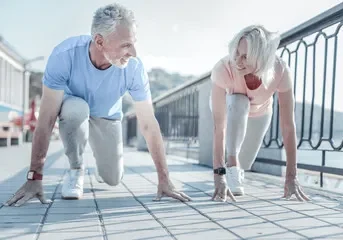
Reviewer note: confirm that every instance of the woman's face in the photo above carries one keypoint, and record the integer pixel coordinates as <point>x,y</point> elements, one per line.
<point>241,58</point>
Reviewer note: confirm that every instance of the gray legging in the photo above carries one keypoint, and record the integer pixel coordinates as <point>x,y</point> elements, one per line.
<point>244,134</point>
<point>105,139</point>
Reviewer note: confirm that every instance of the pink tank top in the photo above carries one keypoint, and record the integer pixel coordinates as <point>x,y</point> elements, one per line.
<point>261,99</point>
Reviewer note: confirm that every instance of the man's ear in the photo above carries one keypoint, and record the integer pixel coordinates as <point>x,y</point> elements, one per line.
<point>99,41</point>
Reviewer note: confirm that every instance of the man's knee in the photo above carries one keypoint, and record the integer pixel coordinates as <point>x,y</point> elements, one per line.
<point>111,177</point>
<point>112,174</point>
<point>74,112</point>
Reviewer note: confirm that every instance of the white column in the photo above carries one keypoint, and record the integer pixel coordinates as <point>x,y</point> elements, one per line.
<point>2,61</point>
<point>205,129</point>
<point>26,82</point>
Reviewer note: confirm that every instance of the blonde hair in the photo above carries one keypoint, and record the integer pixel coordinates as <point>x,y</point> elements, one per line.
<point>261,52</point>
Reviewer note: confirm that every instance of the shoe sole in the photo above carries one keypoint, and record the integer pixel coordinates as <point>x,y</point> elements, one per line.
<point>71,198</point>
<point>237,194</point>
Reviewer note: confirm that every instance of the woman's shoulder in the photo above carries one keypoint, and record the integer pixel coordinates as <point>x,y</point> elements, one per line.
<point>280,65</point>
<point>283,75</point>
<point>221,73</point>
<point>222,66</point>
<point>222,63</point>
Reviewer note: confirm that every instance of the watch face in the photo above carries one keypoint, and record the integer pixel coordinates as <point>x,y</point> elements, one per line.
<point>30,175</point>
<point>220,171</point>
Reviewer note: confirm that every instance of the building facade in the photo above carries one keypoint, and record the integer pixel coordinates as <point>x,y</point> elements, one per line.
<point>14,82</point>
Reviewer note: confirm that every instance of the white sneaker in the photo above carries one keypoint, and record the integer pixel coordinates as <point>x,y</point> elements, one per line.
<point>97,176</point>
<point>73,184</point>
<point>234,178</point>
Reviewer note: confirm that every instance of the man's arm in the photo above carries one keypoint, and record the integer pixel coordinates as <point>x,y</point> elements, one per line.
<point>152,134</point>
<point>50,106</point>
<point>49,109</point>
<point>151,131</point>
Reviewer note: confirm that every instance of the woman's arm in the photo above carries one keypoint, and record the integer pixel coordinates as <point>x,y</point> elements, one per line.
<point>286,107</point>
<point>288,129</point>
<point>218,95</point>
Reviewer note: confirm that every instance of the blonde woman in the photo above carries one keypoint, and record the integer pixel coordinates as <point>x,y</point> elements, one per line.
<point>243,84</point>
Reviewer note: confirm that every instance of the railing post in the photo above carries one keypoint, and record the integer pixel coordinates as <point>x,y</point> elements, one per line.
<point>125,131</point>
<point>321,172</point>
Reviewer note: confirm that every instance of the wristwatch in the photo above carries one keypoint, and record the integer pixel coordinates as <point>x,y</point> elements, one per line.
<point>220,171</point>
<point>33,175</point>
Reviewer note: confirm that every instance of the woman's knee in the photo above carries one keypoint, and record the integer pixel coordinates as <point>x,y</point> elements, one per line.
<point>238,103</point>
<point>246,165</point>
<point>248,155</point>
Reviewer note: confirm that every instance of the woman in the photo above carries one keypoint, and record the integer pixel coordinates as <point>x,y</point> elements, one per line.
<point>243,84</point>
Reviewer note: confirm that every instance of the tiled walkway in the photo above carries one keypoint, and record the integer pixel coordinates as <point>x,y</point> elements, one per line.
<point>128,212</point>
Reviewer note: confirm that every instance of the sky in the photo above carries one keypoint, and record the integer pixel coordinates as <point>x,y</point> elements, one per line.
<point>185,36</point>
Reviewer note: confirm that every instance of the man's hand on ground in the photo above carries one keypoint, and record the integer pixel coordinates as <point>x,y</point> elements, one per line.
<point>28,191</point>
<point>166,188</point>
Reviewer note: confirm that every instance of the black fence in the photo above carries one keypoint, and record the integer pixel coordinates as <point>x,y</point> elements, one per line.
<point>311,51</point>
<point>131,130</point>
<point>178,115</point>
<point>314,52</point>
<point>177,112</point>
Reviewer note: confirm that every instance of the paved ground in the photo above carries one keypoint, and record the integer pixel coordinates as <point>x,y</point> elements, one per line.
<point>128,212</point>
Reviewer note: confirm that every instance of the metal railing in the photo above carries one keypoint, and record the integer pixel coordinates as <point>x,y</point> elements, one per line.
<point>313,54</point>
<point>307,36</point>
<point>131,129</point>
<point>177,113</point>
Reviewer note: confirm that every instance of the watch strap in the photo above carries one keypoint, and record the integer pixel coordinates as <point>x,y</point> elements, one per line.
<point>220,171</point>
<point>33,175</point>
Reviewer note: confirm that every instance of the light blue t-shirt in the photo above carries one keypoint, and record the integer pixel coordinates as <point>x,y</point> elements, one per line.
<point>69,68</point>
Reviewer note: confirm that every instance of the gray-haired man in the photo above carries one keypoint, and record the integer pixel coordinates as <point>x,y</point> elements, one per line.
<point>83,84</point>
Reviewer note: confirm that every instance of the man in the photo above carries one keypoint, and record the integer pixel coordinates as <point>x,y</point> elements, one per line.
<point>83,84</point>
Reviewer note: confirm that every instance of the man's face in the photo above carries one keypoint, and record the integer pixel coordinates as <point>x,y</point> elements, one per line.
<point>119,46</point>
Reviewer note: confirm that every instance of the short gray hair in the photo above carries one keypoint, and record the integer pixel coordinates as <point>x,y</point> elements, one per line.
<point>261,52</point>
<point>106,19</point>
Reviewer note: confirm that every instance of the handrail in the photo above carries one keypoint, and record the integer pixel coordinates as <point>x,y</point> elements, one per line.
<point>181,87</point>
<point>323,20</point>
